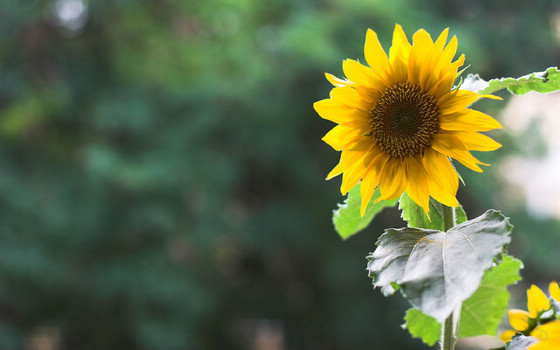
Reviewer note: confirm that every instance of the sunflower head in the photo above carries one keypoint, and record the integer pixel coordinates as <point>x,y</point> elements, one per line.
<point>399,120</point>
<point>542,321</point>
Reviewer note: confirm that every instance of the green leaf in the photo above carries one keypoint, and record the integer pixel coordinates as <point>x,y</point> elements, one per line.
<point>414,215</point>
<point>521,342</point>
<point>543,82</point>
<point>422,326</point>
<point>437,271</point>
<point>482,312</point>
<point>347,220</point>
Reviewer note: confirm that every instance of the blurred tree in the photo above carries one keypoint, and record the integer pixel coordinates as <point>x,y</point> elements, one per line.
<point>162,168</point>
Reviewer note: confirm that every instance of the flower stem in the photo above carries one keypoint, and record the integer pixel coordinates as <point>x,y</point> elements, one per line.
<point>448,217</point>
<point>447,334</point>
<point>451,323</point>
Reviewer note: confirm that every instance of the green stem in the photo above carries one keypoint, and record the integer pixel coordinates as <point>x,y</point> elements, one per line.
<point>447,339</point>
<point>451,323</point>
<point>448,217</point>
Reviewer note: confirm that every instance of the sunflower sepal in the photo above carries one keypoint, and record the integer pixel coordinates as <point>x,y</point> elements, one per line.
<point>459,73</point>
<point>547,316</point>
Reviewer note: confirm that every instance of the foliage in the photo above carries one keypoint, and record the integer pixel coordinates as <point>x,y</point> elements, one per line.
<point>481,313</point>
<point>347,219</point>
<point>543,82</point>
<point>422,326</point>
<point>436,271</point>
<point>415,217</point>
<point>161,168</point>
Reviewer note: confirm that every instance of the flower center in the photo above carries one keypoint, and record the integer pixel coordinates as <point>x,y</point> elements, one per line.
<point>404,120</point>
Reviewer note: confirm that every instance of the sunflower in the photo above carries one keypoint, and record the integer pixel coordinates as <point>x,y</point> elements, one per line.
<point>399,120</point>
<point>540,321</point>
<point>548,336</point>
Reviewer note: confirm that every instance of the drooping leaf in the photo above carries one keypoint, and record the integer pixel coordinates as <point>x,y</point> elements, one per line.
<point>414,215</point>
<point>347,220</point>
<point>438,270</point>
<point>482,312</point>
<point>543,82</point>
<point>521,342</point>
<point>422,326</point>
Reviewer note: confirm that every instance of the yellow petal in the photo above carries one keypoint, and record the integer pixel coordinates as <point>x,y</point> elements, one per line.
<point>371,180</point>
<point>392,181</point>
<point>442,177</point>
<point>439,44</point>
<point>372,153</point>
<point>457,100</point>
<point>337,81</point>
<point>451,146</point>
<point>422,42</point>
<point>427,76</point>
<point>519,319</point>
<point>417,188</point>
<point>554,291</point>
<point>401,47</point>
<point>474,141</point>
<point>441,196</point>
<point>442,65</point>
<point>361,75</point>
<point>398,54</point>
<point>342,136</point>
<point>548,333</point>
<point>550,344</point>
<point>507,335</point>
<point>341,114</point>
<point>468,119</point>
<point>377,58</point>
<point>356,170</point>
<point>449,52</point>
<point>448,77</point>
<point>368,95</point>
<point>347,158</point>
<point>349,96</point>
<point>537,301</point>
<point>554,345</point>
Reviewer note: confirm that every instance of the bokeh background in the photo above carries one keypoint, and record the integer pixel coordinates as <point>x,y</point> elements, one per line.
<point>162,173</point>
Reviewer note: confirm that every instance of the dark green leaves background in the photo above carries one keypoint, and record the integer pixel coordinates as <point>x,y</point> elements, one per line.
<point>161,170</point>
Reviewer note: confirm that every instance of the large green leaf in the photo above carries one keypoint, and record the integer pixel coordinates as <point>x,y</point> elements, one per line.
<point>438,270</point>
<point>422,326</point>
<point>347,220</point>
<point>543,82</point>
<point>414,215</point>
<point>482,312</point>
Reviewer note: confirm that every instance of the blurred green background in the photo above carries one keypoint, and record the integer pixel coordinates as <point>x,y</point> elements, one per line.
<point>162,173</point>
